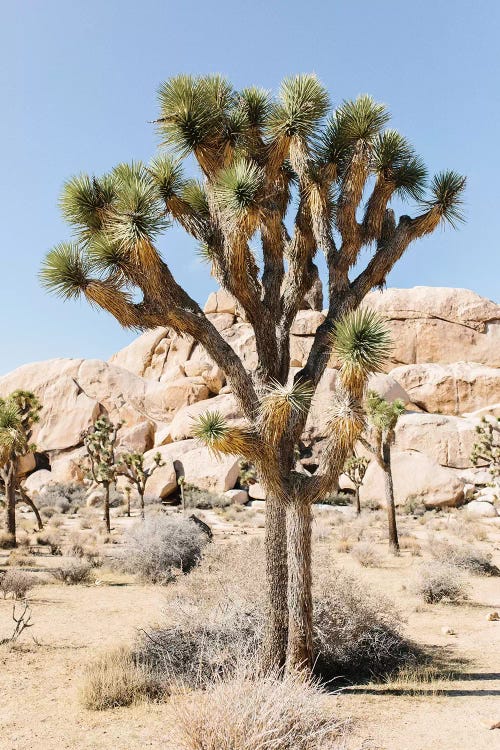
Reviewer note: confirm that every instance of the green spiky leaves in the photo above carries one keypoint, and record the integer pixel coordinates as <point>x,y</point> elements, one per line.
<point>362,343</point>
<point>382,414</point>
<point>212,430</point>
<point>138,214</point>
<point>167,175</point>
<point>447,190</point>
<point>65,271</point>
<point>395,159</point>
<point>85,200</point>
<point>238,187</point>
<point>279,403</point>
<point>303,102</point>
<point>256,105</point>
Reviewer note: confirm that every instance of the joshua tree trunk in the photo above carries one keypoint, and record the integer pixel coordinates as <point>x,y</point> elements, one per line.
<point>141,495</point>
<point>276,635</point>
<point>10,500</point>
<point>358,501</point>
<point>106,507</point>
<point>389,499</point>
<point>300,628</point>
<point>26,499</point>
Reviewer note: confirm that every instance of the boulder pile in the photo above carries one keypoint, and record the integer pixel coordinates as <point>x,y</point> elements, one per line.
<point>445,365</point>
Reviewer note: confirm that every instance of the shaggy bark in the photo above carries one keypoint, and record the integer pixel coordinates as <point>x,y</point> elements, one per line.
<point>274,648</point>
<point>389,498</point>
<point>300,627</point>
<point>9,478</point>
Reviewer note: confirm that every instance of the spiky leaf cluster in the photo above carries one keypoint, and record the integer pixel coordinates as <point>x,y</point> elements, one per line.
<point>279,403</point>
<point>355,468</point>
<point>212,430</point>
<point>19,411</point>
<point>131,465</point>
<point>486,449</point>
<point>362,343</point>
<point>99,440</point>
<point>382,414</point>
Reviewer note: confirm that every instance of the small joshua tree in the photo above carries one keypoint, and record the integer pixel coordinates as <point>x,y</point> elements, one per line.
<point>100,440</point>
<point>18,413</point>
<point>382,418</point>
<point>487,448</point>
<point>132,467</point>
<point>355,468</point>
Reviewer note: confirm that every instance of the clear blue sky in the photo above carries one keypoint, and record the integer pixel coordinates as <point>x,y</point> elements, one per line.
<point>79,81</point>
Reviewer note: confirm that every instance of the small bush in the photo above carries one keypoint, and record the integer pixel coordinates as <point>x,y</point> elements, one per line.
<point>47,512</point>
<point>17,583</point>
<point>367,555</point>
<point>411,544</point>
<point>19,559</point>
<point>6,540</point>
<point>50,539</point>
<point>338,498</point>
<point>161,544</point>
<point>116,679</point>
<point>260,713</point>
<point>439,581</point>
<point>466,557</point>
<point>194,497</point>
<point>73,572</point>
<point>68,495</point>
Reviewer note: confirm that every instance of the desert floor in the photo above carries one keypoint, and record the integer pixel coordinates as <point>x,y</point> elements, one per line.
<point>40,676</point>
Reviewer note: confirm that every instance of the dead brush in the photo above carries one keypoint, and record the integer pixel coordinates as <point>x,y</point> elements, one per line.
<point>410,544</point>
<point>249,712</point>
<point>16,583</point>
<point>441,582</point>
<point>73,572</point>
<point>116,679</point>
<point>367,555</point>
<point>466,557</point>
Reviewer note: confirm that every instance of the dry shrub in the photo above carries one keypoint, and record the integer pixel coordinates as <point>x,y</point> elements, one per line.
<point>161,544</point>
<point>73,572</point>
<point>367,555</point>
<point>214,620</point>
<point>466,557</point>
<point>116,679</point>
<point>17,583</point>
<point>19,559</point>
<point>245,713</point>
<point>441,582</point>
<point>411,544</point>
<point>194,497</point>
<point>344,545</point>
<point>50,539</point>
<point>6,540</point>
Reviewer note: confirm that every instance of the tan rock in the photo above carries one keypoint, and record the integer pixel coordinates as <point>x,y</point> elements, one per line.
<point>388,387</point>
<point>182,424</point>
<point>202,469</point>
<point>307,322</point>
<point>493,410</point>
<point>478,509</point>
<point>26,464</point>
<point>222,321</point>
<point>221,302</point>
<point>447,440</point>
<point>438,324</point>
<point>139,438</point>
<point>450,388</point>
<point>242,339</point>
<point>69,466</point>
<point>163,481</point>
<point>257,492</point>
<point>37,481</point>
<point>416,478</point>
<point>138,356</point>
<point>238,497</point>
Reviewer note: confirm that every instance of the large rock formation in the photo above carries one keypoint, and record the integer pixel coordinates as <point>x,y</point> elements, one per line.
<point>445,363</point>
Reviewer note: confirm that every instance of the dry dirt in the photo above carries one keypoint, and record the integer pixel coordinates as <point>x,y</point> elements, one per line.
<point>39,705</point>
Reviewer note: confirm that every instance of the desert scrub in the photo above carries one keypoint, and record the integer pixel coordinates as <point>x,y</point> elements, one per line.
<point>367,555</point>
<point>116,679</point>
<point>466,557</point>
<point>16,583</point>
<point>51,539</point>
<point>214,620</point>
<point>161,544</point>
<point>441,582</point>
<point>6,540</point>
<point>256,713</point>
<point>73,572</point>
<point>194,497</point>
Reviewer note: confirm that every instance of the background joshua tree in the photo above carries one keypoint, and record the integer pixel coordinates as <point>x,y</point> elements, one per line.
<point>280,179</point>
<point>131,466</point>
<point>382,418</point>
<point>355,468</point>
<point>100,440</point>
<point>18,413</point>
<point>486,450</point>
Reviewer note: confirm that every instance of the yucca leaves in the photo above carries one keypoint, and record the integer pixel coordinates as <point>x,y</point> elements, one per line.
<point>213,431</point>
<point>302,103</point>
<point>362,342</point>
<point>238,187</point>
<point>194,194</point>
<point>346,420</point>
<point>255,103</point>
<point>278,404</point>
<point>138,214</point>
<point>105,255</point>
<point>13,437</point>
<point>447,189</point>
<point>361,119</point>
<point>84,201</point>
<point>395,159</point>
<point>167,176</point>
<point>65,271</point>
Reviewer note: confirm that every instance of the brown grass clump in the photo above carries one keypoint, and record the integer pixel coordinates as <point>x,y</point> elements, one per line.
<point>115,679</point>
<point>466,557</point>
<point>245,713</point>
<point>19,559</point>
<point>6,540</point>
<point>411,544</point>
<point>367,555</point>
<point>73,572</point>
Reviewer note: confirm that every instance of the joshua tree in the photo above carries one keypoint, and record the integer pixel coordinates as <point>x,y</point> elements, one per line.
<point>355,468</point>
<point>486,451</point>
<point>132,467</point>
<point>280,173</point>
<point>18,413</point>
<point>382,418</point>
<point>99,440</point>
